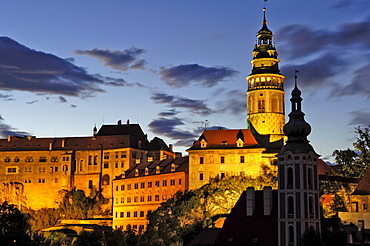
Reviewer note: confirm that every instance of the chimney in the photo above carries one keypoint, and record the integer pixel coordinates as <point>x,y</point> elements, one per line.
<point>250,201</point>
<point>119,122</point>
<point>267,200</point>
<point>63,143</point>
<point>9,138</point>
<point>171,147</point>
<point>29,137</point>
<point>50,146</point>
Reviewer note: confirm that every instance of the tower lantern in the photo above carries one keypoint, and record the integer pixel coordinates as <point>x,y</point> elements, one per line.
<point>265,94</point>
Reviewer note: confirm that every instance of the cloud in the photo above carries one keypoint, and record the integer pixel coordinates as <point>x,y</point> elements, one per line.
<point>5,97</point>
<point>359,84</point>
<point>32,102</point>
<point>171,112</point>
<point>234,104</point>
<point>196,106</point>
<point>168,127</point>
<point>73,106</point>
<point>315,72</point>
<point>360,118</point>
<point>62,99</point>
<point>183,75</point>
<point>117,60</point>
<point>25,69</point>
<point>6,130</point>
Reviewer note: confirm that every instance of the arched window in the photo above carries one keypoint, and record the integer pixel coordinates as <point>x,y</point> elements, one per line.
<point>291,234</point>
<point>311,207</point>
<point>309,178</point>
<point>81,165</point>
<point>261,105</point>
<point>106,179</point>
<point>290,178</point>
<point>290,205</point>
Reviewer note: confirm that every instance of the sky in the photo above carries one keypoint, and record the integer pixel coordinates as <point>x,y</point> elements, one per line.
<point>175,66</point>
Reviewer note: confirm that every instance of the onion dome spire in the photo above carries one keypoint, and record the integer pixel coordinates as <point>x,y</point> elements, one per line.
<point>297,129</point>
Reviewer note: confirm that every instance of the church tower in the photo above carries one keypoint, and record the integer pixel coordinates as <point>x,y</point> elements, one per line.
<point>265,94</point>
<point>298,192</point>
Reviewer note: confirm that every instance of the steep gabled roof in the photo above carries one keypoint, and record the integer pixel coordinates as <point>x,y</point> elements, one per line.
<point>226,139</point>
<point>363,188</point>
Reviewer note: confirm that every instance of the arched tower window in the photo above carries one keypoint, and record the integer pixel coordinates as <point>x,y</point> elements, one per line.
<point>289,184</point>
<point>290,205</point>
<point>106,179</point>
<point>261,105</point>
<point>311,207</point>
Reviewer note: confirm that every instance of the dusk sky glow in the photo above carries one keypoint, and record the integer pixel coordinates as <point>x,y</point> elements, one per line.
<point>171,65</point>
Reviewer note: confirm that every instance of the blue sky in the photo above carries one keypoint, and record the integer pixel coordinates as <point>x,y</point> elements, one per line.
<point>171,65</point>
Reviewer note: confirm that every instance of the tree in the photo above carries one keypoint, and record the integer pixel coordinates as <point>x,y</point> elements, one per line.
<point>354,162</point>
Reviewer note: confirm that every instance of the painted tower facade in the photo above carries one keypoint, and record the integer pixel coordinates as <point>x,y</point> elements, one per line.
<point>298,191</point>
<point>265,94</point>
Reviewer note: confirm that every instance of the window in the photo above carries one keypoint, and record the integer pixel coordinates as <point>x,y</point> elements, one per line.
<point>41,181</point>
<point>142,199</point>
<point>201,160</point>
<point>222,159</point>
<point>136,186</point>
<point>27,181</point>
<point>56,169</point>
<point>122,187</point>
<point>28,169</point>
<point>164,182</point>
<point>290,205</point>
<point>224,143</point>
<point>65,158</point>
<point>128,199</point>
<point>242,159</point>
<point>365,206</point>
<point>164,198</point>
<point>142,185</point>
<point>56,180</point>
<point>156,198</point>
<point>146,171</point>
<point>7,159</point>
<point>42,159</point>
<point>11,170</point>
<point>173,167</point>
<point>123,154</point>
<point>172,182</point>
<point>180,181</point>
<point>201,177</point>
<point>157,184</point>
<point>106,155</point>
<point>95,160</point>
<point>128,214</point>
<point>16,159</point>
<point>141,213</point>
<point>29,159</point>
<point>116,165</point>
<point>122,214</point>
<point>122,164</point>
<point>106,165</point>
<point>136,199</point>
<point>136,172</point>
<point>149,198</point>
<point>150,184</point>
<point>309,178</point>
<point>42,169</point>
<point>157,169</point>
<point>291,235</point>
<point>135,214</point>
<point>116,154</point>
<point>261,105</point>
<point>290,178</point>
<point>223,175</point>
<point>311,206</point>
<point>90,184</point>
<point>129,187</point>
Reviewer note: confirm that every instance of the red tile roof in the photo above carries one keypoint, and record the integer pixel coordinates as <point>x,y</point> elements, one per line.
<point>363,188</point>
<point>217,139</point>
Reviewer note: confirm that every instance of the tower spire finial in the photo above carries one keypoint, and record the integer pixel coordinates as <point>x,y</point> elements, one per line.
<point>295,78</point>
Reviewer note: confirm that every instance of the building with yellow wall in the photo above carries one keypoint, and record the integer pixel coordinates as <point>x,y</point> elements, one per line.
<point>34,170</point>
<point>144,187</point>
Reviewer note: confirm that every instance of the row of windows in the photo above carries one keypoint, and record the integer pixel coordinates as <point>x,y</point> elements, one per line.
<point>222,159</point>
<point>40,181</point>
<point>106,165</point>
<point>121,154</point>
<point>149,184</point>
<point>41,159</point>
<point>13,170</point>
<point>130,227</point>
<point>135,199</point>
<point>134,214</point>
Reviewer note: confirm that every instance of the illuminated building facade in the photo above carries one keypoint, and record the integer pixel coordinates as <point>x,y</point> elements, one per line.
<point>226,152</point>
<point>265,94</point>
<point>144,187</point>
<point>34,170</point>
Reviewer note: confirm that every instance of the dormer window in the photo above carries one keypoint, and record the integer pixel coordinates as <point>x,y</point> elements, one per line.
<point>157,169</point>
<point>146,171</point>
<point>239,143</point>
<point>173,167</point>
<point>203,143</point>
<point>224,143</point>
<point>124,175</point>
<point>136,172</point>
